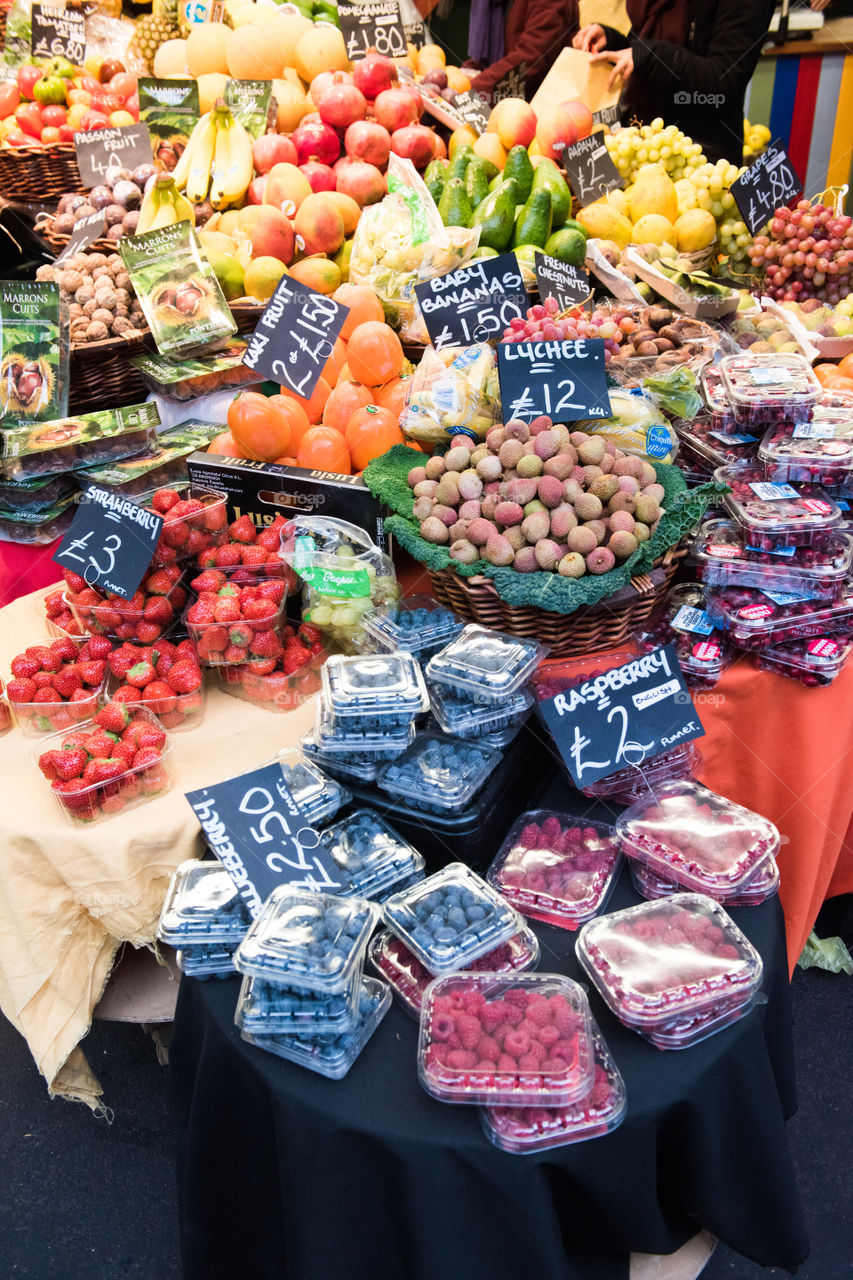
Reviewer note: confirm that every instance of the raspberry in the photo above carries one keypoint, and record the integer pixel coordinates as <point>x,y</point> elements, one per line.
<point>548,1036</point>
<point>516,1043</point>
<point>564,1020</point>
<point>528,1062</point>
<point>513,1014</point>
<point>599,1096</point>
<point>461,1059</point>
<point>469,1030</point>
<point>537,1050</point>
<point>488,1048</point>
<point>442,1026</point>
<point>506,1063</point>
<point>728,952</point>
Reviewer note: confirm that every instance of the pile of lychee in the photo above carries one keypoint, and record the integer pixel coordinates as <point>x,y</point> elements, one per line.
<point>537,497</point>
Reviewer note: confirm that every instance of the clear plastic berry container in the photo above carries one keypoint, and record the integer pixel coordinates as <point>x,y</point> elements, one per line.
<point>525,1039</point>
<point>382,690</point>
<point>554,868</point>
<point>418,624</point>
<point>373,858</point>
<point>275,690</point>
<point>485,665</point>
<point>760,619</point>
<point>318,796</point>
<point>35,719</point>
<point>463,717</point>
<point>437,773</point>
<point>814,663</point>
<point>244,638</point>
<point>55,614</point>
<point>650,885</point>
<point>190,533</point>
<point>202,904</point>
<point>777,387</point>
<point>177,712</point>
<point>37,495</point>
<point>687,833</point>
<point>308,941</point>
<point>409,979</point>
<point>89,802</point>
<point>149,615</point>
<point>351,767</point>
<point>713,389</point>
<point>628,785</point>
<point>207,960</point>
<point>723,557</point>
<point>362,741</point>
<point>681,619</point>
<point>813,453</point>
<point>268,1008</point>
<point>661,963</point>
<point>332,1055</point>
<point>712,446</point>
<point>522,1130</point>
<point>69,444</point>
<point>451,918</point>
<point>774,515</point>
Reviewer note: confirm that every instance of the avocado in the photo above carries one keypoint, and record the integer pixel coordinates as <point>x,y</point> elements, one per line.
<point>476,182</point>
<point>567,245</point>
<point>519,166</point>
<point>435,176</point>
<point>461,159</point>
<point>534,222</point>
<point>454,206</point>
<point>494,216</point>
<point>547,177</point>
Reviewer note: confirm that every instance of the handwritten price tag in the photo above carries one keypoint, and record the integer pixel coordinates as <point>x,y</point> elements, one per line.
<point>372,24</point>
<point>58,33</point>
<point>569,285</point>
<point>475,303</point>
<point>295,336</point>
<point>104,152</point>
<point>110,542</point>
<point>769,183</point>
<point>563,379</point>
<point>590,170</point>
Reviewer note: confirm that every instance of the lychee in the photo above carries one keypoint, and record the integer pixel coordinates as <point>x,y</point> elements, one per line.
<point>422,507</point>
<point>529,465</point>
<point>627,484</point>
<point>547,444</point>
<point>507,513</point>
<point>525,560</point>
<point>588,507</point>
<point>458,458</point>
<point>447,492</point>
<point>510,452</point>
<point>581,539</point>
<point>517,430</point>
<point>560,465</point>
<point>628,466</point>
<point>447,515</point>
<point>515,537</point>
<point>415,476</point>
<point>591,473</point>
<point>498,550</point>
<point>469,510</point>
<point>604,487</point>
<point>598,529</point>
<point>591,451</point>
<point>548,554</point>
<point>464,551</point>
<point>621,521</point>
<point>481,451</point>
<point>540,424</point>
<point>489,506</point>
<point>641,531</point>
<point>600,560</point>
<point>572,491</point>
<point>622,502</point>
<point>435,468</point>
<point>622,544</point>
<point>479,531</point>
<point>459,530</point>
<point>434,530</point>
<point>646,508</point>
<point>470,485</point>
<point>572,566</point>
<point>489,468</point>
<point>425,488</point>
<point>563,520</point>
<point>647,475</point>
<point>496,437</point>
<point>533,505</point>
<point>578,438</point>
<point>520,490</point>
<point>606,463</point>
<point>654,491</point>
<point>536,526</point>
<point>550,491</point>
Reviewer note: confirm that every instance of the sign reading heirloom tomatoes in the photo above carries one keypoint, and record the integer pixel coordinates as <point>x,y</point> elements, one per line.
<point>295,336</point>
<point>110,541</point>
<point>261,837</point>
<point>58,33</point>
<point>561,378</point>
<point>474,303</point>
<point>623,717</point>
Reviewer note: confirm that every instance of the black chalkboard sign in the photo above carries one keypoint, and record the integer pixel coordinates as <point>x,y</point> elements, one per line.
<point>58,33</point>
<point>103,152</point>
<point>561,378</point>
<point>295,336</point>
<point>110,541</point>
<point>372,24</point>
<point>416,33</point>
<point>768,184</point>
<point>474,303</point>
<point>261,837</point>
<point>607,115</point>
<point>622,717</point>
<point>511,85</point>
<point>473,109</point>
<point>590,170</point>
<point>84,233</point>
<point>569,285</point>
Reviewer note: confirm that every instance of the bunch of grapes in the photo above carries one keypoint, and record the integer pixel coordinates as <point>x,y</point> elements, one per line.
<point>707,187</point>
<point>845,306</point>
<point>544,323</point>
<point>632,147</point>
<point>808,253</point>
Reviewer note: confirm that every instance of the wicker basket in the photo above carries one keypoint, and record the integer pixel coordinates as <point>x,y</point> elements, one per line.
<point>58,240</point>
<point>587,630</point>
<point>39,175</point>
<point>246,314</point>
<point>102,376</point>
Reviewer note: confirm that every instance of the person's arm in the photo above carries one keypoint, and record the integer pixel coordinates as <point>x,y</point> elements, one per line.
<point>739,30</point>
<point>545,34</point>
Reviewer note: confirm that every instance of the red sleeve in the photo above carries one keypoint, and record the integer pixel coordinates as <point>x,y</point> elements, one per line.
<point>544,28</point>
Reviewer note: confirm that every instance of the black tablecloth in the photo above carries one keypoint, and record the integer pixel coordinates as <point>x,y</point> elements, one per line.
<point>283,1173</point>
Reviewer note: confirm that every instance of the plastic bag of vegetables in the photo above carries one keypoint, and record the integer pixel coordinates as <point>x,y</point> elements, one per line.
<point>637,426</point>
<point>452,388</point>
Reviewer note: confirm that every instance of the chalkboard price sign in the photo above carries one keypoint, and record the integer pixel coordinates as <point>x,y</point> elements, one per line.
<point>768,184</point>
<point>622,717</point>
<point>110,541</point>
<point>295,336</point>
<point>85,232</point>
<point>563,379</point>
<point>372,24</point>
<point>261,837</point>
<point>104,152</point>
<point>569,285</point>
<point>474,303</point>
<point>590,170</point>
<point>58,33</point>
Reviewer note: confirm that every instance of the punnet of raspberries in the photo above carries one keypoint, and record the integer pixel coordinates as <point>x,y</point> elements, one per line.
<point>60,619</point>
<point>59,683</point>
<point>250,549</point>
<point>521,1040</point>
<point>283,681</point>
<point>230,623</point>
<point>145,617</point>
<point>190,524</point>
<point>165,678</point>
<point>108,762</point>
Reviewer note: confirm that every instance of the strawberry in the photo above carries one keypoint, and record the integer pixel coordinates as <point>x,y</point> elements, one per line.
<point>209,580</point>
<point>96,649</point>
<point>83,695</point>
<point>164,500</point>
<point>25,667</point>
<point>67,681</point>
<point>21,690</point>
<point>92,672</point>
<point>164,662</point>
<point>158,610</point>
<point>91,770</point>
<point>77,798</point>
<point>254,555</point>
<point>260,610</point>
<point>43,679</point>
<point>141,674</point>
<point>114,717</point>
<point>122,659</point>
<point>227,610</point>
<point>65,650</point>
<point>106,771</point>
<point>128,695</point>
<point>185,649</point>
<point>72,741</point>
<point>73,580</point>
<point>228,555</point>
<point>212,640</point>
<point>45,657</point>
<point>265,644</point>
<point>309,634</point>
<point>272,589</point>
<point>46,695</point>
<point>202,613</point>
<point>69,763</point>
<point>215,519</point>
<point>101,744</point>
<point>174,535</point>
<point>159,583</point>
<point>242,530</point>
<point>235,653</point>
<point>47,764</point>
<point>270,539</point>
<point>148,632</point>
<point>185,676</point>
<point>196,542</point>
<point>187,507</point>
<point>261,666</point>
<point>161,693</point>
<point>228,589</point>
<point>239,636</point>
<point>151,738</point>
<point>124,752</point>
<point>295,656</point>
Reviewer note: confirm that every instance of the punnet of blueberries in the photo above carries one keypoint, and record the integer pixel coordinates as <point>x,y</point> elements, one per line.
<point>418,624</point>
<point>364,737</point>
<point>438,773</point>
<point>372,858</point>
<point>373,690</point>
<point>485,665</point>
<point>463,717</point>
<point>268,1008</point>
<point>202,905</point>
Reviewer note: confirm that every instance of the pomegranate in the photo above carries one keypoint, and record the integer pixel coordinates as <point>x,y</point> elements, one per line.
<point>316,141</point>
<point>341,104</point>
<point>373,74</point>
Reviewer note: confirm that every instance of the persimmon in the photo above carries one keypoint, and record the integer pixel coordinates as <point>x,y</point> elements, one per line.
<point>374,353</point>
<point>313,405</point>
<point>393,394</point>
<point>363,306</point>
<point>838,384</point>
<point>824,371</point>
<point>845,366</point>
<point>226,446</point>
<point>324,449</point>
<point>342,403</point>
<point>261,426</point>
<point>296,417</point>
<point>370,432</point>
<point>331,370</point>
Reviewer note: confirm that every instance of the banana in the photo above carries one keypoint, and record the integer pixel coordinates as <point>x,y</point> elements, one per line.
<point>221,163</point>
<point>231,176</point>
<point>185,211</point>
<point>150,207</point>
<point>165,216</point>
<point>181,170</point>
<point>198,179</point>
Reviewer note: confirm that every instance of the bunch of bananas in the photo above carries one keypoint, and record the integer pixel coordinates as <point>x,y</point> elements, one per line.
<point>163,205</point>
<point>217,161</point>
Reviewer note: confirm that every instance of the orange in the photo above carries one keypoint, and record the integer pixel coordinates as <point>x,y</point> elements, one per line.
<point>374,353</point>
<point>838,384</point>
<point>343,402</point>
<point>363,305</point>
<point>261,425</point>
<point>226,446</point>
<point>392,395</point>
<point>824,371</point>
<point>845,366</point>
<point>296,415</point>
<point>312,406</point>
<point>324,449</point>
<point>370,432</point>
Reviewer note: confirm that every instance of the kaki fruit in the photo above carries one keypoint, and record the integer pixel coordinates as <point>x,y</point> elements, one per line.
<point>261,425</point>
<point>370,432</point>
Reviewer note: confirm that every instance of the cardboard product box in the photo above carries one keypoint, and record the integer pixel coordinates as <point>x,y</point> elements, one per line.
<point>263,490</point>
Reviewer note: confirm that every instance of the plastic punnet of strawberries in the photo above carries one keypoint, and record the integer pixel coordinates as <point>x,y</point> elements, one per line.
<point>145,617</point>
<point>190,525</point>
<point>108,763</point>
<point>248,553</point>
<point>282,682</point>
<point>57,684</point>
<point>58,613</point>
<point>231,623</point>
<point>165,678</point>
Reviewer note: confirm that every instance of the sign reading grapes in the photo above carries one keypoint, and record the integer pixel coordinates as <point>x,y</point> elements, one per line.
<point>768,184</point>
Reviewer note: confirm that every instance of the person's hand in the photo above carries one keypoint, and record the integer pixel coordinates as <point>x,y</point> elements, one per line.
<point>819,5</point>
<point>623,65</point>
<point>590,39</point>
